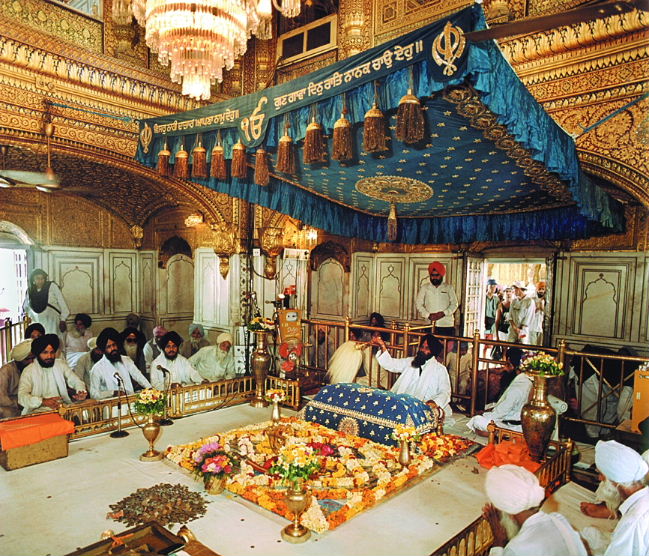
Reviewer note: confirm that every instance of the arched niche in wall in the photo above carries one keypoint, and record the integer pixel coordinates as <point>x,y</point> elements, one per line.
<point>13,236</point>
<point>174,245</point>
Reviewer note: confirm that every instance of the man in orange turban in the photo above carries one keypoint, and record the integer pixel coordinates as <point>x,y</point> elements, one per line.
<point>437,301</point>
<point>536,326</point>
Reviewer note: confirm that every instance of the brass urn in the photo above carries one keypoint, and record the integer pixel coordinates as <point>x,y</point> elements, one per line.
<point>260,363</point>
<point>151,431</point>
<point>298,499</point>
<point>538,418</point>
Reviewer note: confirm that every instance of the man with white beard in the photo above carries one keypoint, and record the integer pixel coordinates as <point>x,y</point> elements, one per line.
<point>103,375</point>
<point>179,368</point>
<point>151,349</point>
<point>44,383</point>
<point>516,495</point>
<point>197,340</point>
<point>133,342</point>
<point>215,362</point>
<point>626,470</point>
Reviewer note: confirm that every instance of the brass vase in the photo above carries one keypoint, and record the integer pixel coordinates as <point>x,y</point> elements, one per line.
<point>151,431</point>
<point>215,485</point>
<point>260,362</point>
<point>275,415</point>
<point>298,499</point>
<point>538,418</point>
<point>404,452</point>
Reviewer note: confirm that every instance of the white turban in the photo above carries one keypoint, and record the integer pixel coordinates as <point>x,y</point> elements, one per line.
<point>92,343</point>
<point>21,351</point>
<point>513,489</point>
<point>619,463</point>
<point>223,337</point>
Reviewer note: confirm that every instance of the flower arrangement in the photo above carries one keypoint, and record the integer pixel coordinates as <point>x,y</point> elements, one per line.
<point>405,432</point>
<point>150,402</point>
<point>295,463</point>
<point>260,324</point>
<point>543,364</point>
<point>211,460</point>
<point>275,395</point>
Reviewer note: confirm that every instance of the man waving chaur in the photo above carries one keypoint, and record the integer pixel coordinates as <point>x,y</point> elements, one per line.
<point>45,304</point>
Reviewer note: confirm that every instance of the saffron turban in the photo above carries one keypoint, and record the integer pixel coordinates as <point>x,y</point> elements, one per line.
<point>195,326</point>
<point>619,463</point>
<point>92,343</point>
<point>170,337</point>
<point>105,335</point>
<point>224,337</point>
<point>439,267</point>
<point>21,351</point>
<point>40,343</point>
<point>513,489</point>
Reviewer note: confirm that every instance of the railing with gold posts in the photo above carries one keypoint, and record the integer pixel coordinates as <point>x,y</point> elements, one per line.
<point>476,538</point>
<point>100,416</point>
<point>10,335</point>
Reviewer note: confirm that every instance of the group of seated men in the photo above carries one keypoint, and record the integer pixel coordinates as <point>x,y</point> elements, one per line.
<point>46,370</point>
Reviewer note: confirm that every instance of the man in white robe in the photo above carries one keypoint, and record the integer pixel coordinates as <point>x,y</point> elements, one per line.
<point>87,361</point>
<point>515,496</point>
<point>179,368</point>
<point>45,304</point>
<point>196,340</point>
<point>104,381</point>
<point>521,315</point>
<point>422,376</point>
<point>75,341</point>
<point>536,326</point>
<point>44,383</point>
<point>215,362</point>
<point>626,470</point>
<point>437,302</point>
<point>151,349</point>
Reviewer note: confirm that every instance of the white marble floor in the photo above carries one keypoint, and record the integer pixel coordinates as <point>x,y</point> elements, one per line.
<point>55,507</point>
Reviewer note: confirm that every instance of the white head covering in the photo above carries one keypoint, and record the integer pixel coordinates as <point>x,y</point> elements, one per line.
<point>519,284</point>
<point>619,463</point>
<point>513,489</point>
<point>223,337</point>
<point>92,343</point>
<point>21,351</point>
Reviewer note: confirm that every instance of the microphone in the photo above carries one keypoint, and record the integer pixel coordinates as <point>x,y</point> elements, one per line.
<point>117,377</point>
<point>164,371</point>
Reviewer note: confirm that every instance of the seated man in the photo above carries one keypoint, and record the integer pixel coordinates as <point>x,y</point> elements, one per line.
<point>75,341</point>
<point>44,383</point>
<point>197,340</point>
<point>507,411</point>
<point>87,360</point>
<point>625,469</point>
<point>104,381</point>
<point>515,494</point>
<point>460,379</point>
<point>21,356</point>
<point>215,362</point>
<point>347,360</point>
<point>132,342</point>
<point>179,368</point>
<point>422,376</point>
<point>34,330</point>
<point>151,349</point>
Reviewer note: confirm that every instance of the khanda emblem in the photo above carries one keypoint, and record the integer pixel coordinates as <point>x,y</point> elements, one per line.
<point>146,135</point>
<point>253,126</point>
<point>448,46</point>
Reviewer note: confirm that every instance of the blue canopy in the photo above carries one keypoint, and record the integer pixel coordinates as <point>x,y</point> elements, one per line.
<point>492,166</point>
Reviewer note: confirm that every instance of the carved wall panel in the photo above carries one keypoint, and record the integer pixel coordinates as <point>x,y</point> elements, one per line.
<point>176,286</point>
<point>362,285</point>
<point>147,266</point>
<point>391,284</point>
<point>79,273</point>
<point>122,285</point>
<point>328,285</point>
<point>211,300</point>
<point>294,272</point>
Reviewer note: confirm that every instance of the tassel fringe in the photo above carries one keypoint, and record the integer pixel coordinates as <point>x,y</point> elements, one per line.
<point>374,139</point>
<point>199,165</point>
<point>392,223</point>
<point>262,172</point>
<point>286,156</point>
<point>410,119</point>
<point>343,143</point>
<point>239,166</point>
<point>314,143</point>
<point>164,168</point>
<point>181,167</point>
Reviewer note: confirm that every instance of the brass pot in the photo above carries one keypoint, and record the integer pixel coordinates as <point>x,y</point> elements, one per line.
<point>298,499</point>
<point>260,362</point>
<point>151,431</point>
<point>538,418</point>
<point>215,485</point>
<point>275,415</point>
<point>404,453</point>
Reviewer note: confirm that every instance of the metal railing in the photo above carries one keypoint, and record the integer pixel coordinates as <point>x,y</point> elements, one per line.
<point>10,334</point>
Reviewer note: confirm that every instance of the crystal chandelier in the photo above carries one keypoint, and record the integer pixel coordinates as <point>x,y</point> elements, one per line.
<point>200,39</point>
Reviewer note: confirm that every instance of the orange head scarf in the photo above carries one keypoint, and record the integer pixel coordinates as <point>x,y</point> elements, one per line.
<point>439,267</point>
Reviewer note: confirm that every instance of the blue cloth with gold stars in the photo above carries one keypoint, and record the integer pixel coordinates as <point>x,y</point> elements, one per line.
<point>367,412</point>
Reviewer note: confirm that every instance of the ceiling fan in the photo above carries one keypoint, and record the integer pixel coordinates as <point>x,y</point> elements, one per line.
<point>577,15</point>
<point>43,181</point>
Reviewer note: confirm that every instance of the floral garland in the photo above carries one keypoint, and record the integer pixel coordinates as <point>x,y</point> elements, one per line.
<point>275,395</point>
<point>443,448</point>
<point>405,432</point>
<point>544,364</point>
<point>260,324</point>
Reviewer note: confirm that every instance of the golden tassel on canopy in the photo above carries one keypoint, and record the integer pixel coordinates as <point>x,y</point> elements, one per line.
<point>262,172</point>
<point>343,142</point>
<point>410,119</point>
<point>181,166</point>
<point>392,223</point>
<point>199,156</point>
<point>374,139</point>
<point>314,143</point>
<point>218,168</point>
<point>163,160</point>
<point>239,166</point>
<point>286,156</point>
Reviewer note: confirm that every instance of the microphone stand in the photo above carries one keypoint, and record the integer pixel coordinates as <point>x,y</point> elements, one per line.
<point>119,433</point>
<point>165,421</point>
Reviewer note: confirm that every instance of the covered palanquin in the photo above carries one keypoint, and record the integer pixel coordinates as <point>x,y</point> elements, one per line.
<point>370,413</point>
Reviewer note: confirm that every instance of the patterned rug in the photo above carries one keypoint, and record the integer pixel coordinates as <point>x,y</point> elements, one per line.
<point>355,473</point>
